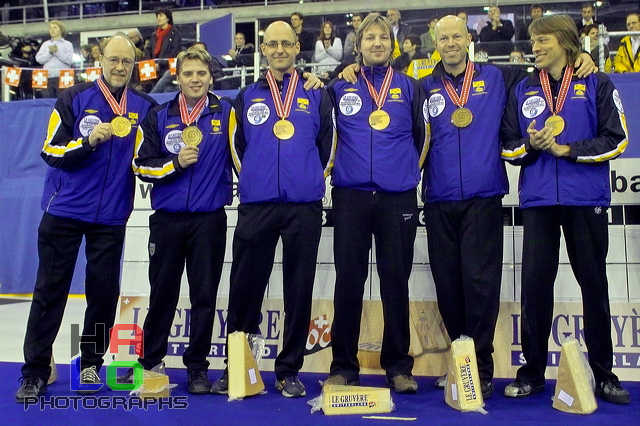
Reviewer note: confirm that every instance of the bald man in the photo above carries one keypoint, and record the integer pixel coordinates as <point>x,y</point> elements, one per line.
<point>88,194</point>
<point>281,155</point>
<point>464,180</point>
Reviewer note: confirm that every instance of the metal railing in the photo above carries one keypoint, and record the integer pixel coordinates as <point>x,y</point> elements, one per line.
<point>40,12</point>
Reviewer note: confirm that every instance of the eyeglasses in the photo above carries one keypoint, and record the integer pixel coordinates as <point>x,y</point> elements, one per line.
<point>127,63</point>
<point>285,44</point>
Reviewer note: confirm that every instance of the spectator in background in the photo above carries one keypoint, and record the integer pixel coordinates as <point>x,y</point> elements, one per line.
<point>85,52</point>
<point>474,34</point>
<point>24,55</point>
<point>517,56</point>
<point>428,39</point>
<point>165,42</point>
<point>243,53</point>
<point>55,54</point>
<point>350,53</point>
<point>588,13</point>
<point>411,50</point>
<point>628,57</point>
<point>136,38</point>
<point>328,51</point>
<point>96,52</point>
<point>536,11</point>
<point>400,30</point>
<point>591,32</point>
<point>305,38</point>
<point>496,35</point>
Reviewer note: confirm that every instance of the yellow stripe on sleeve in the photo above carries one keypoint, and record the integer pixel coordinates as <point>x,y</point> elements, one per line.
<point>55,122</point>
<point>232,139</point>
<point>334,145</point>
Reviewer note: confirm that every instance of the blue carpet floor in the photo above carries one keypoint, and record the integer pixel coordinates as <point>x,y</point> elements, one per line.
<point>427,406</point>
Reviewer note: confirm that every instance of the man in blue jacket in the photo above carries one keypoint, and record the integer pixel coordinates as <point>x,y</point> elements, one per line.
<point>281,152</point>
<point>382,144</point>
<point>183,148</point>
<point>88,193</point>
<point>564,184</point>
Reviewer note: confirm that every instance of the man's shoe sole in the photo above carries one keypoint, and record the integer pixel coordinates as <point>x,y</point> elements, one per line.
<point>199,392</point>
<point>40,393</point>
<point>87,392</point>
<point>534,390</point>
<point>288,395</point>
<point>620,399</point>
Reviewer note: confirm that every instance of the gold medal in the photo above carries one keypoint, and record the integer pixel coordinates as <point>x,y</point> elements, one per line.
<point>283,129</point>
<point>556,123</point>
<point>121,126</point>
<point>192,136</point>
<point>379,119</point>
<point>461,117</point>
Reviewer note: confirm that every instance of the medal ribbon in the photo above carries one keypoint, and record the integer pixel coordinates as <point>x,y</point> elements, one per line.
<point>562,94</point>
<point>283,110</point>
<point>379,98</point>
<point>461,100</point>
<point>118,109</point>
<point>184,111</point>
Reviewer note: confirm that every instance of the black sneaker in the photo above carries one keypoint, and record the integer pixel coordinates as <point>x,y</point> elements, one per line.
<point>221,386</point>
<point>127,378</point>
<point>291,387</point>
<point>611,391</point>
<point>521,389</point>
<point>89,376</point>
<point>486,386</point>
<point>199,383</point>
<point>31,386</point>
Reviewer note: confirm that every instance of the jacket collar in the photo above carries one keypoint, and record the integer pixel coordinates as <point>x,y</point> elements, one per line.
<point>439,71</point>
<point>214,105</point>
<point>262,80</point>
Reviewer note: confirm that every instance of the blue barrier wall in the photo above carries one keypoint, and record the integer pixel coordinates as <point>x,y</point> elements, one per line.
<point>23,129</point>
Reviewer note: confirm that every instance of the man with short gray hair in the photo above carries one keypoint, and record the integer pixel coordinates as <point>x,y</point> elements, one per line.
<point>88,194</point>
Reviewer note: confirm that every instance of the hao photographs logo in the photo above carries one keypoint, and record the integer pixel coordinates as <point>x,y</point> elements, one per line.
<point>98,343</point>
<point>135,340</point>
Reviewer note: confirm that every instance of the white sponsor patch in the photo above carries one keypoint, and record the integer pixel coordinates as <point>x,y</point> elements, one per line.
<point>436,105</point>
<point>425,111</point>
<point>258,113</point>
<point>173,141</point>
<point>533,106</point>
<point>617,101</point>
<point>87,124</point>
<point>350,104</point>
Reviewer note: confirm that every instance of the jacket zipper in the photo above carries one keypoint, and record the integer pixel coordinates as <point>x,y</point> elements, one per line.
<point>105,180</point>
<point>374,106</point>
<point>189,190</point>
<point>51,200</point>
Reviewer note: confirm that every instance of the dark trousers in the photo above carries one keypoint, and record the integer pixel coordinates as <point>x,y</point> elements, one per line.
<point>199,240</point>
<point>465,242</point>
<point>587,239</point>
<point>59,241</point>
<point>392,218</point>
<point>259,227</point>
<point>52,90</point>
